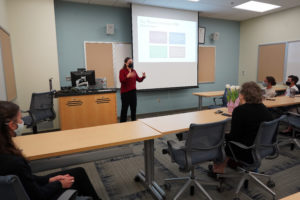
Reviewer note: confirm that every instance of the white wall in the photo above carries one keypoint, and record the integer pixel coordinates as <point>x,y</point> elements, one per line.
<point>3,14</point>
<point>277,27</point>
<point>34,47</point>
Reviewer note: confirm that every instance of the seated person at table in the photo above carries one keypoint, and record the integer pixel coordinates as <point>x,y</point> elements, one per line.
<point>246,119</point>
<point>291,82</point>
<point>269,90</point>
<point>13,162</point>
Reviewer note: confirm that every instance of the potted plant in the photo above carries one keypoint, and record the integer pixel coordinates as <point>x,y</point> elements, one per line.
<point>232,97</point>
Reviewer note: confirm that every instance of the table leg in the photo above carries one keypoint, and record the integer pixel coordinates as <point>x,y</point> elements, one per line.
<point>200,103</point>
<point>147,177</point>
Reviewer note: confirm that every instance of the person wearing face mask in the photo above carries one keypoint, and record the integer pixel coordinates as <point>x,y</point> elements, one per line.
<point>246,119</point>
<point>128,78</point>
<point>291,82</point>
<point>269,90</point>
<point>13,162</point>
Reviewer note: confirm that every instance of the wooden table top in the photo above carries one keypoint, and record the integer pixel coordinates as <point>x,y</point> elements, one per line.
<point>295,196</point>
<point>60,143</point>
<point>221,92</point>
<point>282,101</point>
<point>210,93</point>
<point>181,122</point>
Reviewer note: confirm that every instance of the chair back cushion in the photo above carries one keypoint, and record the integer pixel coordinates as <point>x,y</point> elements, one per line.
<point>11,188</point>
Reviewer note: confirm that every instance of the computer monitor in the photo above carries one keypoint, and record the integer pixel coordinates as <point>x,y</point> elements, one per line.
<point>89,76</point>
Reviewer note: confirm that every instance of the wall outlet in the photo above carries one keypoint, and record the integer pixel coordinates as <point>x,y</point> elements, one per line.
<point>68,78</point>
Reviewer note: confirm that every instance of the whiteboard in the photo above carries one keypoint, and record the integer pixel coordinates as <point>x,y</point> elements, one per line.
<point>120,52</point>
<point>293,59</point>
<point>3,95</point>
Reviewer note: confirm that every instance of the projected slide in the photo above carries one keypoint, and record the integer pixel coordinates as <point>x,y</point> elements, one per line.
<point>166,40</point>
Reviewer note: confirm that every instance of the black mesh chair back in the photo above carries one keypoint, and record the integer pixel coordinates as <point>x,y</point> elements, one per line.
<point>11,188</point>
<point>205,142</point>
<point>266,140</point>
<point>41,109</point>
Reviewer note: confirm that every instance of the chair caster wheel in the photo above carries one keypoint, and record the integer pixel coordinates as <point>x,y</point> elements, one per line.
<point>271,184</point>
<point>167,186</point>
<point>137,179</point>
<point>246,184</point>
<point>192,190</point>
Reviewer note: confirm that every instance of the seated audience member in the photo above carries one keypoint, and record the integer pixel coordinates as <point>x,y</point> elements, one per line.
<point>246,119</point>
<point>291,83</point>
<point>13,162</point>
<point>268,83</point>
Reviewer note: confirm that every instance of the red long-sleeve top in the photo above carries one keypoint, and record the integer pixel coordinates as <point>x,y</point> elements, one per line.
<point>128,84</point>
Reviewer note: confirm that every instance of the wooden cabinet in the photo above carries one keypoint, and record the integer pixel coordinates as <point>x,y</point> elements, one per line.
<point>87,110</point>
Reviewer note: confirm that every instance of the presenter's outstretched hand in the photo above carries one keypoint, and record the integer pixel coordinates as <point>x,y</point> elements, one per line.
<point>144,74</point>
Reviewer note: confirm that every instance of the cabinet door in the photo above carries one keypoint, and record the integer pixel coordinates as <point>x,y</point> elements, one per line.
<point>88,110</point>
<point>73,112</point>
<point>105,109</point>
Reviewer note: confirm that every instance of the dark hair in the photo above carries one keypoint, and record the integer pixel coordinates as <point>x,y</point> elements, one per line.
<point>294,78</point>
<point>125,61</point>
<point>271,80</point>
<point>251,92</point>
<point>8,112</point>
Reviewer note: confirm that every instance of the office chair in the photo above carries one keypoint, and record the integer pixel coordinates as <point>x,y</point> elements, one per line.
<point>41,109</point>
<point>293,119</point>
<point>265,146</point>
<point>11,188</point>
<point>204,143</point>
<point>223,99</point>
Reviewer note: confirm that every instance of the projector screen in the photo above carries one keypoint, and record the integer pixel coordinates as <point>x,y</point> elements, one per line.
<point>165,46</point>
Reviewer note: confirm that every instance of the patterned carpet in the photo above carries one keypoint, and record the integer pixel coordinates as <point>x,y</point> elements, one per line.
<point>113,178</point>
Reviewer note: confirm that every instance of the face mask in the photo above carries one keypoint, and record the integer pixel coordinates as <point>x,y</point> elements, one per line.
<point>130,65</point>
<point>288,83</point>
<point>264,84</point>
<point>20,128</point>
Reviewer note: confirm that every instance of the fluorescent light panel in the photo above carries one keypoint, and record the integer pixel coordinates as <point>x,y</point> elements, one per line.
<point>193,0</point>
<point>256,6</point>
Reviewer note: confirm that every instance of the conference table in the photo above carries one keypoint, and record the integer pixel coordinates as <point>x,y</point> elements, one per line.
<point>48,145</point>
<point>295,196</point>
<point>219,94</point>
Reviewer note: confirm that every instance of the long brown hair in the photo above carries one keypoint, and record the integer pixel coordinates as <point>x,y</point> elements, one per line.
<point>125,61</point>
<point>8,112</point>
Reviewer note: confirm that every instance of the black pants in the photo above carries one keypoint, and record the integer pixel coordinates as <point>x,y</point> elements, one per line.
<point>128,99</point>
<point>82,182</point>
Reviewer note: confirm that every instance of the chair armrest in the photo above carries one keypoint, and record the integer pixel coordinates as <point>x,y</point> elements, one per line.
<point>68,195</point>
<point>294,114</point>
<point>240,145</point>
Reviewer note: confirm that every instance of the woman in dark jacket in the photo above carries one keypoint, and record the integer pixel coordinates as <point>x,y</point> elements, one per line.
<point>13,162</point>
<point>246,119</point>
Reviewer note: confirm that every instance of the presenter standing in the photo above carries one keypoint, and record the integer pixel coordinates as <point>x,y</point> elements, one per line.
<point>128,78</point>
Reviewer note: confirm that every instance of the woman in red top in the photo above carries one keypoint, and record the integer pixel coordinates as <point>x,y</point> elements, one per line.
<point>128,78</point>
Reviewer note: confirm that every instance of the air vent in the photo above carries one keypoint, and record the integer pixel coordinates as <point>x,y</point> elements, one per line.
<point>102,100</point>
<point>74,103</point>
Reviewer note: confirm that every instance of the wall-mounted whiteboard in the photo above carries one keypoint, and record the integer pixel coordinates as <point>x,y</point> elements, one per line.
<point>293,59</point>
<point>120,52</point>
<point>3,95</point>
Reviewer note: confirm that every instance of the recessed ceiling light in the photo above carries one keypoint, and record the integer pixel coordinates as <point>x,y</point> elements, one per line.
<point>193,0</point>
<point>256,6</point>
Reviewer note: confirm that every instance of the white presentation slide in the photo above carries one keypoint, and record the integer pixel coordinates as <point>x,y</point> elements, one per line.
<point>165,46</point>
<point>166,40</point>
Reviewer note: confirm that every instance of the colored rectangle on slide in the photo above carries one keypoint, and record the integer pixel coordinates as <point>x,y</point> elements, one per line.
<point>176,38</point>
<point>176,52</point>
<point>158,52</point>
<point>158,37</point>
